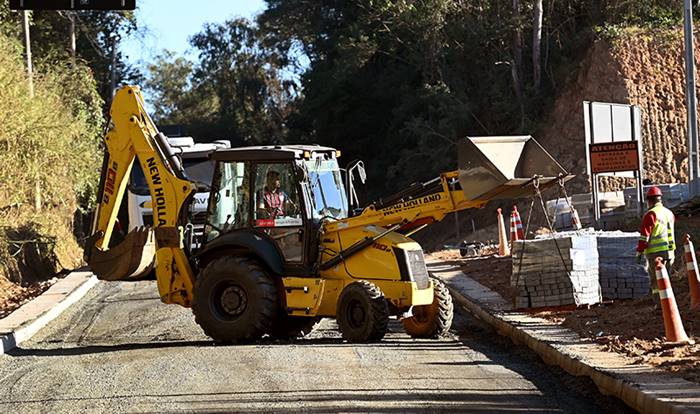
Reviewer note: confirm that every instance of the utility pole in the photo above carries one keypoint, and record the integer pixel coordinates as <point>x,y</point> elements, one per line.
<point>28,51</point>
<point>30,80</point>
<point>690,99</point>
<point>71,19</point>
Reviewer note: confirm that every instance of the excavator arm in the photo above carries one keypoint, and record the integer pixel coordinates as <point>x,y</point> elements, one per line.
<point>132,135</point>
<point>490,168</point>
<point>419,204</point>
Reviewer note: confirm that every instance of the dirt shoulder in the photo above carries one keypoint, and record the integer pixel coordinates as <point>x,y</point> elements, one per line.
<point>12,296</point>
<point>630,327</point>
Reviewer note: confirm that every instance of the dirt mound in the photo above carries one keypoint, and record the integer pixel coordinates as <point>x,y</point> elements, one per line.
<point>34,250</point>
<point>635,328</point>
<point>643,67</point>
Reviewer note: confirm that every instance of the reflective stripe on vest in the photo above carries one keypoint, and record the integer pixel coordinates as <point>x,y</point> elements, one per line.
<point>661,239</point>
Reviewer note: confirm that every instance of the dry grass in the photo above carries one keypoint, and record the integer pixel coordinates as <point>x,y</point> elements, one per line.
<point>50,149</point>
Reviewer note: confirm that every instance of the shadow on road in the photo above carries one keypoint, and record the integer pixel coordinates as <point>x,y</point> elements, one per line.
<point>98,349</point>
<point>332,400</point>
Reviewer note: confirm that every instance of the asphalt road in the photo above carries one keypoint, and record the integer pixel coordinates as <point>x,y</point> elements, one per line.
<point>120,350</point>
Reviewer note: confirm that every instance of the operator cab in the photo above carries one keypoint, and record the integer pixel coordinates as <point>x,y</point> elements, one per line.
<point>280,195</point>
<point>198,168</point>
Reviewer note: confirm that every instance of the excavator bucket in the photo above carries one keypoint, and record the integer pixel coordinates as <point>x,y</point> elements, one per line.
<point>492,168</point>
<point>131,259</point>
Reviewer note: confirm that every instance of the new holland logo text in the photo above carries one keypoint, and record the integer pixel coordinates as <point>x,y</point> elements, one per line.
<point>411,204</point>
<point>159,201</point>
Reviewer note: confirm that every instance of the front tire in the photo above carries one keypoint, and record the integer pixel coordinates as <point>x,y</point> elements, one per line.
<point>362,313</point>
<point>234,300</point>
<point>434,320</point>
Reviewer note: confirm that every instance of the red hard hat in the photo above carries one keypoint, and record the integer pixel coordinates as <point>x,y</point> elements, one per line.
<point>654,191</point>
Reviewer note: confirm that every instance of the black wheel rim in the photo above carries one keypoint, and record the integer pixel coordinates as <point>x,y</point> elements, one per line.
<point>356,314</point>
<point>229,301</point>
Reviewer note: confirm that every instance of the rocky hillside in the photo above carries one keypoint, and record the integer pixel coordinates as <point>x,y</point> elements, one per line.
<point>645,68</point>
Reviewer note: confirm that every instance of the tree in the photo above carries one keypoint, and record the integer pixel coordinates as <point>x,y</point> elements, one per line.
<point>169,82</point>
<point>235,90</point>
<point>536,45</point>
<point>97,34</point>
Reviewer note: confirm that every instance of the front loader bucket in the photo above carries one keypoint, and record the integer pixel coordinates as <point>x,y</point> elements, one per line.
<point>492,168</point>
<point>131,259</point>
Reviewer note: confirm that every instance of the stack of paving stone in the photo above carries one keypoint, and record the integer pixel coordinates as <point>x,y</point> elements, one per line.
<point>544,279</point>
<point>620,275</point>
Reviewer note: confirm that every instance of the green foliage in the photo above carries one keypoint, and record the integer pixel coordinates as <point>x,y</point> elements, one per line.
<point>97,33</point>
<point>49,142</point>
<point>393,82</point>
<point>643,13</point>
<point>397,82</point>
<point>235,90</point>
<point>169,78</point>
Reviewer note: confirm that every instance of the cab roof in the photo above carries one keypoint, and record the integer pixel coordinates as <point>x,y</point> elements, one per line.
<point>269,152</point>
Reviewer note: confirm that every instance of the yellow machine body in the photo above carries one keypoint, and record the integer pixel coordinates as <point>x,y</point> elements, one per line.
<point>377,263</point>
<point>366,247</point>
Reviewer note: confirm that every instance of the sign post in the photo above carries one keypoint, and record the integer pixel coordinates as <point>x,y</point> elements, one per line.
<point>690,99</point>
<point>614,147</point>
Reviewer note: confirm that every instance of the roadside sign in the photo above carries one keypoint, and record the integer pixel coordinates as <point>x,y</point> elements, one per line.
<point>613,146</point>
<point>614,157</point>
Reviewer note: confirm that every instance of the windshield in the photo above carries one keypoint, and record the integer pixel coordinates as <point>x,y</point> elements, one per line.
<point>327,189</point>
<point>198,170</point>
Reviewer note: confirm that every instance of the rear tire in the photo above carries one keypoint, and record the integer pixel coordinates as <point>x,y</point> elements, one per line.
<point>234,300</point>
<point>362,314</point>
<point>434,320</point>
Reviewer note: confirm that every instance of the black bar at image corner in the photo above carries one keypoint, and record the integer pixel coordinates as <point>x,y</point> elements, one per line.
<point>72,4</point>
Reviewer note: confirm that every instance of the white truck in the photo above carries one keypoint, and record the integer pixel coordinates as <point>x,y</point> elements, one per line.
<point>199,169</point>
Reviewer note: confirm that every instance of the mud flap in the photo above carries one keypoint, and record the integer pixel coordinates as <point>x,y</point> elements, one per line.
<point>132,259</point>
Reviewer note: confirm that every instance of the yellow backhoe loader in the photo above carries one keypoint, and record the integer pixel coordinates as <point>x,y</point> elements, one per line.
<point>280,248</point>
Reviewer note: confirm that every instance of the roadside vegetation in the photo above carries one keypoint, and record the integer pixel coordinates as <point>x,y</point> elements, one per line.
<point>51,152</point>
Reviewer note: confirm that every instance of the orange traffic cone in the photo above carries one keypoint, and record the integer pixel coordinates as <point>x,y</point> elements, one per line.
<point>691,264</point>
<point>672,319</point>
<point>503,249</point>
<point>516,226</point>
<point>575,221</point>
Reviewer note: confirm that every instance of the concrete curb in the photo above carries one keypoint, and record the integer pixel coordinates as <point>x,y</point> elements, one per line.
<point>654,396</point>
<point>24,322</point>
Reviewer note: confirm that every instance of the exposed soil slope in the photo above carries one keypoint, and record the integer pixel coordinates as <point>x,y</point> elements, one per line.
<point>644,68</point>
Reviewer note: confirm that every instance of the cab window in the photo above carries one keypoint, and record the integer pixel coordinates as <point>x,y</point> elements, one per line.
<point>276,196</point>
<point>230,208</point>
<point>278,211</point>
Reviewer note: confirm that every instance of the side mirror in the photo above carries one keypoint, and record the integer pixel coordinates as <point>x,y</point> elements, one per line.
<point>361,171</point>
<point>359,166</point>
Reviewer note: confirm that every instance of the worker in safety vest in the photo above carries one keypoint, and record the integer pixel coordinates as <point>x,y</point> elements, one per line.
<point>656,236</point>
